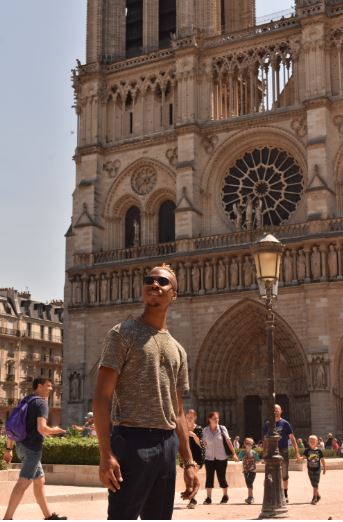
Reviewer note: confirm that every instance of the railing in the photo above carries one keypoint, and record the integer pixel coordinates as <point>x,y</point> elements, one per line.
<point>38,336</point>
<point>241,237</point>
<point>9,331</point>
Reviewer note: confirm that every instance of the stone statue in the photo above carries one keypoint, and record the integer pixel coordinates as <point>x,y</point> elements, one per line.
<point>195,278</point>
<point>315,263</point>
<point>135,233</point>
<point>238,216</point>
<point>103,288</point>
<point>75,387</point>
<point>114,287</point>
<point>248,272</point>
<point>181,279</point>
<point>234,273</point>
<point>288,267</point>
<point>319,376</point>
<point>92,290</point>
<point>77,290</point>
<point>301,265</point>
<point>332,262</point>
<point>258,213</point>
<point>208,276</point>
<point>125,286</point>
<point>249,209</point>
<point>137,284</point>
<point>221,274</point>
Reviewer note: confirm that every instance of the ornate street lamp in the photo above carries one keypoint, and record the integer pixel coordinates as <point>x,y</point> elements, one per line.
<point>267,255</point>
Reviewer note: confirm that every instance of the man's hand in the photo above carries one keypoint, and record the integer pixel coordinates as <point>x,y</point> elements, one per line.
<point>191,482</point>
<point>110,473</point>
<point>298,457</point>
<point>235,458</point>
<point>8,454</point>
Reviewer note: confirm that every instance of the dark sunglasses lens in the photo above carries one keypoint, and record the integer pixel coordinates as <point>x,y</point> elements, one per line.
<point>162,281</point>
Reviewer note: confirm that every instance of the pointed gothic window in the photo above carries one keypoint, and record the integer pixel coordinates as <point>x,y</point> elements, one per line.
<point>134,27</point>
<point>167,21</point>
<point>132,227</point>
<point>166,222</point>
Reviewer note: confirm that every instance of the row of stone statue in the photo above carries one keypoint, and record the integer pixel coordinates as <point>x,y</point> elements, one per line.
<point>211,276</point>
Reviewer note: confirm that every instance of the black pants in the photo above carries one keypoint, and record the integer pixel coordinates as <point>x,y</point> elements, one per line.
<point>147,459</point>
<point>249,478</point>
<point>218,466</point>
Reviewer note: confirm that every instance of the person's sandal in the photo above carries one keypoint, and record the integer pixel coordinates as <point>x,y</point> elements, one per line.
<point>225,499</point>
<point>207,500</point>
<point>55,516</point>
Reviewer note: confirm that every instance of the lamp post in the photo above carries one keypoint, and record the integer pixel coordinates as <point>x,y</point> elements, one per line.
<point>267,256</point>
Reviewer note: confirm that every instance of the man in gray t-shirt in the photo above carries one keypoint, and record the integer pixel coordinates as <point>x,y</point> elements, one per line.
<point>143,374</point>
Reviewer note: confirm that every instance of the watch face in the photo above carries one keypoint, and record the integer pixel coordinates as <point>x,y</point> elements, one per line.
<point>144,180</point>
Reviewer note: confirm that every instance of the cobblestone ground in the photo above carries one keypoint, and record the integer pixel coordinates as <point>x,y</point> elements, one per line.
<point>78,507</point>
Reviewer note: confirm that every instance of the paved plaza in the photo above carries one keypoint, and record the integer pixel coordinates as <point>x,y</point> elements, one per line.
<point>90,503</point>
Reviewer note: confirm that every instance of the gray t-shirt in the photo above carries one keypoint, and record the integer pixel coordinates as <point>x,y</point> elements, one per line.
<point>152,367</point>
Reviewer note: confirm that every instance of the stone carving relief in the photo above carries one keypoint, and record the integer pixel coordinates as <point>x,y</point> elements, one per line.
<point>319,369</point>
<point>112,168</point>
<point>144,180</point>
<point>338,122</point>
<point>299,126</point>
<point>75,386</point>
<point>300,265</point>
<point>209,143</point>
<point>171,155</point>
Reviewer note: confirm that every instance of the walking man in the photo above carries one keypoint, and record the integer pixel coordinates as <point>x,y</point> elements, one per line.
<point>145,369</point>
<point>29,450</point>
<point>284,429</point>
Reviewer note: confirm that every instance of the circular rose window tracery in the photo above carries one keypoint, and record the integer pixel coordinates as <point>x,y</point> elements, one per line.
<point>263,187</point>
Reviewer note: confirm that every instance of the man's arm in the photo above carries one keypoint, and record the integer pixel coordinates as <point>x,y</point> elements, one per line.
<point>45,430</point>
<point>109,469</point>
<point>190,473</point>
<point>8,454</point>
<point>323,463</point>
<point>295,446</point>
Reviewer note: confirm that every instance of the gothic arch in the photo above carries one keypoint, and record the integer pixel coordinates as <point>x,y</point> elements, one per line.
<point>232,363</point>
<point>112,196</point>
<point>235,147</point>
<point>124,203</point>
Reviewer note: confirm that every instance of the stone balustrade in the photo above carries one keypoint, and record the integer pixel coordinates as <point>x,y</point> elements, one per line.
<point>302,262</point>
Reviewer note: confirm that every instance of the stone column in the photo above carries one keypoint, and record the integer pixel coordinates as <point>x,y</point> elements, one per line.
<point>307,252</point>
<point>294,256</point>
<point>185,17</point>
<point>322,250</point>
<point>150,25</point>
<point>339,256</point>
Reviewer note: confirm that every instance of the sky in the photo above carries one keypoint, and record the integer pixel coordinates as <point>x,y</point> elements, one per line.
<point>40,41</point>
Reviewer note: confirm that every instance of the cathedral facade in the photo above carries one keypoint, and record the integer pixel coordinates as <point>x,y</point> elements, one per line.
<point>199,129</point>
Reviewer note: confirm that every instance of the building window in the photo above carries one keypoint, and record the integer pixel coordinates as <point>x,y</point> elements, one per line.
<point>166,222</point>
<point>134,27</point>
<point>132,227</point>
<point>167,21</point>
<point>131,123</point>
<point>171,115</point>
<point>50,333</point>
<point>42,331</point>
<point>28,329</point>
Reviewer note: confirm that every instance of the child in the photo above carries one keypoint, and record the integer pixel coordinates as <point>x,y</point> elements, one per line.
<point>315,459</point>
<point>249,458</point>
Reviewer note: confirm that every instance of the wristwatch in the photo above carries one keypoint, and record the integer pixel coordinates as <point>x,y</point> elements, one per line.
<point>188,464</point>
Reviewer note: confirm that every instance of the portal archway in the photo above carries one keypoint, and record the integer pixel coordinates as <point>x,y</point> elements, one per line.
<point>232,367</point>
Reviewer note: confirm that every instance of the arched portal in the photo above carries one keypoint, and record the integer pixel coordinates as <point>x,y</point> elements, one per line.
<point>231,372</point>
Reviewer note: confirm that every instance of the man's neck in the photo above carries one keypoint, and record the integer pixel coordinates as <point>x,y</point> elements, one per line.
<point>157,319</point>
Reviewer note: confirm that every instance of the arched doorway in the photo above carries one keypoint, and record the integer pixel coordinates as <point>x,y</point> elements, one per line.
<point>132,227</point>
<point>231,372</point>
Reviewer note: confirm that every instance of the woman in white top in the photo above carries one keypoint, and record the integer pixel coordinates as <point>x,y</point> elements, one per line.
<point>215,456</point>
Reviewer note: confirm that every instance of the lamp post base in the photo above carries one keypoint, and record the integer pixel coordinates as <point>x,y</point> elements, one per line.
<point>274,504</point>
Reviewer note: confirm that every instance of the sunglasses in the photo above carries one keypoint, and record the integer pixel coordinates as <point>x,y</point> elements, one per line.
<point>162,281</point>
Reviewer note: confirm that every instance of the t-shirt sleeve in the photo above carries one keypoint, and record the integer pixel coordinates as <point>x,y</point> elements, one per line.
<point>225,432</point>
<point>321,454</point>
<point>241,455</point>
<point>182,383</point>
<point>288,428</point>
<point>306,453</point>
<point>265,428</point>
<point>114,351</point>
<point>42,409</point>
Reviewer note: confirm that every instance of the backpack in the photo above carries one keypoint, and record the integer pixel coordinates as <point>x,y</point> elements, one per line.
<point>16,423</point>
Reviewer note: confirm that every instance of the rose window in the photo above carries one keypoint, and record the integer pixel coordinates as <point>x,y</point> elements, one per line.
<point>263,187</point>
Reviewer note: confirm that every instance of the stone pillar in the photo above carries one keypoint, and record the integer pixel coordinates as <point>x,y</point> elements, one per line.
<point>238,15</point>
<point>94,30</point>
<point>185,18</point>
<point>150,25</point>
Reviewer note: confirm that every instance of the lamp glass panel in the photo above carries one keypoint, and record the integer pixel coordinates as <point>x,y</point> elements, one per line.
<point>268,262</point>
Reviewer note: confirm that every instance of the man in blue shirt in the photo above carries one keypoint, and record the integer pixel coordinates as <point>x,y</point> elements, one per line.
<point>30,449</point>
<point>285,431</point>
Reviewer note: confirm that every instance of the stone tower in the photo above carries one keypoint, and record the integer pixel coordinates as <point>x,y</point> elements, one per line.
<point>197,130</point>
